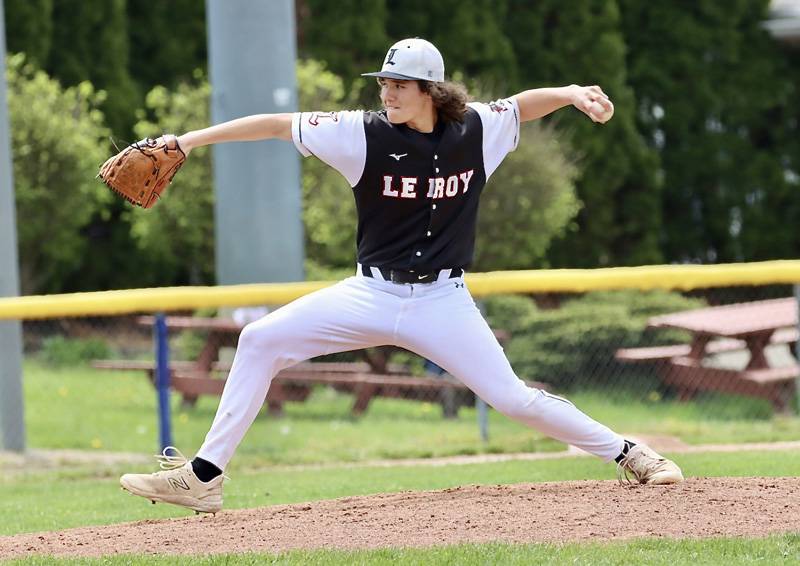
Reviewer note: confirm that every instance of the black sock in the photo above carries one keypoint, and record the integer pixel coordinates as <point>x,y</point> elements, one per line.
<point>625,447</point>
<point>205,470</point>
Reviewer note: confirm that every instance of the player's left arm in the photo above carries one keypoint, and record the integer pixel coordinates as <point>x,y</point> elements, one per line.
<point>539,102</point>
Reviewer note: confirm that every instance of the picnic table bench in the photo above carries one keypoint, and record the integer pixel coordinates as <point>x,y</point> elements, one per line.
<point>295,383</point>
<point>375,377</point>
<point>749,326</point>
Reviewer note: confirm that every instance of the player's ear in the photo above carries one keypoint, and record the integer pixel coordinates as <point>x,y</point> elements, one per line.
<point>424,88</point>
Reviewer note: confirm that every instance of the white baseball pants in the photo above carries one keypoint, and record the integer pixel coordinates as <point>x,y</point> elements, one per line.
<point>438,321</point>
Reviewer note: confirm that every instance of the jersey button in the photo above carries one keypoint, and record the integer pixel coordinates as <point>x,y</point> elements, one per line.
<point>429,233</point>
<point>436,157</point>
<point>437,169</point>
<point>433,206</point>
<point>419,254</point>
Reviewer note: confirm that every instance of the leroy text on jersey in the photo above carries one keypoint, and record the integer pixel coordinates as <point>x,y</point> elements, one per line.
<point>438,187</point>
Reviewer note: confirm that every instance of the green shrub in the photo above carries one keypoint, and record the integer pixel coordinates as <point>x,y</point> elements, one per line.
<point>509,312</point>
<point>59,351</point>
<point>58,141</point>
<point>574,345</point>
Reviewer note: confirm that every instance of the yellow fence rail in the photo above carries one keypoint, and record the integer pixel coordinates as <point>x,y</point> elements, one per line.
<point>667,277</point>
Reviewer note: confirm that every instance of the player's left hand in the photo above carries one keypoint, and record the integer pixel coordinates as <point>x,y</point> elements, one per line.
<point>592,101</point>
<point>143,170</point>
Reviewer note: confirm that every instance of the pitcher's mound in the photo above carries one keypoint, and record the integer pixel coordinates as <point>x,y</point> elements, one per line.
<point>539,512</point>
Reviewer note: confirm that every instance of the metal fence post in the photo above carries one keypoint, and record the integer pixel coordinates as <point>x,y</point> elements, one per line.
<point>12,401</point>
<point>162,381</point>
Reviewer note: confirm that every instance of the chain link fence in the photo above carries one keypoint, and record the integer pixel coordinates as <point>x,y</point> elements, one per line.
<point>721,353</point>
<point>690,362</point>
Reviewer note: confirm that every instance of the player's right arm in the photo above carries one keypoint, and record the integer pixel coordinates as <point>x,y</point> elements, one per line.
<point>250,128</point>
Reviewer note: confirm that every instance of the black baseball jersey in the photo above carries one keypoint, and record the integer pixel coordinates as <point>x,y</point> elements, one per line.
<point>416,194</point>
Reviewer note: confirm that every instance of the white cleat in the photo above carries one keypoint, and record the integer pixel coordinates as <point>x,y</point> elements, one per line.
<point>176,484</point>
<point>644,465</point>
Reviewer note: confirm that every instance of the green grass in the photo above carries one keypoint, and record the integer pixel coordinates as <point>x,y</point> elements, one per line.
<point>711,552</point>
<point>83,408</point>
<point>58,499</point>
<point>710,419</point>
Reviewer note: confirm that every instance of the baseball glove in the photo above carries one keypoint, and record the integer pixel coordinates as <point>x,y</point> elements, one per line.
<point>142,171</point>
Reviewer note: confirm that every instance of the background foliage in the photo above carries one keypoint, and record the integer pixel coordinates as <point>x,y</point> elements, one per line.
<point>57,135</point>
<point>574,345</point>
<point>701,162</point>
<point>187,214</point>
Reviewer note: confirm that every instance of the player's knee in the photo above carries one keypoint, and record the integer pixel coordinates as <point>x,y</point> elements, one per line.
<point>517,404</point>
<point>256,336</point>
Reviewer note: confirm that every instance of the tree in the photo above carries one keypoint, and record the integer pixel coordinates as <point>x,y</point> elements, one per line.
<point>29,28</point>
<point>718,101</point>
<point>168,41</point>
<point>58,140</point>
<point>528,201</point>
<point>581,42</point>
<point>90,43</point>
<point>349,35</point>
<point>178,234</point>
<point>470,36</point>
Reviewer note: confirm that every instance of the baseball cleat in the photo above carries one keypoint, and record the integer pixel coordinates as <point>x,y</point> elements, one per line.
<point>176,484</point>
<point>644,465</point>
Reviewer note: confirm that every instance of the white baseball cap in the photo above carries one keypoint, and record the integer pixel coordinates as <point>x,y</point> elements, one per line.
<point>412,59</point>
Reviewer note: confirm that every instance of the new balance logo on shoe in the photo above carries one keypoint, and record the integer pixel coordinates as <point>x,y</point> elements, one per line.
<point>179,484</point>
<point>396,156</point>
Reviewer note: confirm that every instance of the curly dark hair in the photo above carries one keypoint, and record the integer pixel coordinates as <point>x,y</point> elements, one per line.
<point>450,99</point>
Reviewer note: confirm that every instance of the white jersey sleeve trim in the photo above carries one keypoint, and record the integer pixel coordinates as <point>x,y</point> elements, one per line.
<point>296,117</point>
<point>337,138</point>
<point>501,123</point>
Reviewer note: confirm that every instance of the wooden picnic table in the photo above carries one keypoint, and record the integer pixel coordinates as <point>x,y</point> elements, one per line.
<point>751,326</point>
<point>755,323</point>
<point>224,332</point>
<point>374,376</point>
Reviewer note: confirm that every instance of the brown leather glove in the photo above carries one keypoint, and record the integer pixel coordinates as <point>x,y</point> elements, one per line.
<point>142,171</point>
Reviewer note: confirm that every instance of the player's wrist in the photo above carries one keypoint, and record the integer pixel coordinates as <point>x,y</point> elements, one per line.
<point>573,94</point>
<point>186,143</point>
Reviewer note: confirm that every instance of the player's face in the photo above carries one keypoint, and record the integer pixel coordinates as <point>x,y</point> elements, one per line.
<point>404,101</point>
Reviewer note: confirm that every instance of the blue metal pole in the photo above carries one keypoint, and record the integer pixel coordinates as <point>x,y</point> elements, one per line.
<point>162,381</point>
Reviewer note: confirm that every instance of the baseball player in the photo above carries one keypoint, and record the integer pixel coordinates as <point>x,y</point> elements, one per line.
<point>417,169</point>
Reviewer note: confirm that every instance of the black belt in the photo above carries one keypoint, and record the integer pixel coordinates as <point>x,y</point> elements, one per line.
<point>400,276</point>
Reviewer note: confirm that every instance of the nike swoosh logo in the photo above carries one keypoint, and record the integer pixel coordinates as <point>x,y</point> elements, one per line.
<point>421,277</point>
<point>397,157</point>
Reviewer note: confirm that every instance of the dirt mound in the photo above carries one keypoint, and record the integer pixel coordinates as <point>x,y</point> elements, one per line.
<point>540,512</point>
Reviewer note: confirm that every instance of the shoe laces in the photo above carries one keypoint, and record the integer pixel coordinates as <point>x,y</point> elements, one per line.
<point>636,467</point>
<point>169,462</point>
<point>624,473</point>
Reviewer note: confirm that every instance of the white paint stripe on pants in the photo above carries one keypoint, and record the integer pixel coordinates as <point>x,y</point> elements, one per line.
<point>438,321</point>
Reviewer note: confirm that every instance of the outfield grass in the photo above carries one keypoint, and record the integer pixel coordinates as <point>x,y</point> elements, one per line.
<point>83,408</point>
<point>52,500</point>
